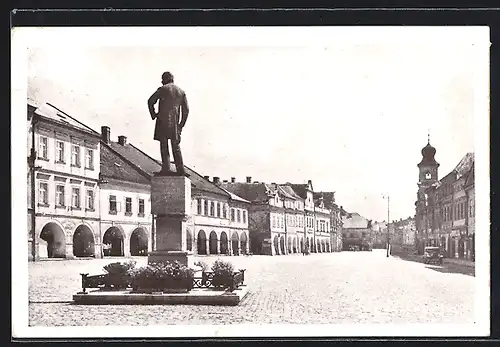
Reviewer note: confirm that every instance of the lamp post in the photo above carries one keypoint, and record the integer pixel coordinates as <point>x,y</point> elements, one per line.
<point>388,219</point>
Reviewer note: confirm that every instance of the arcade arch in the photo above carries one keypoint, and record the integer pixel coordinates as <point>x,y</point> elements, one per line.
<point>212,243</point>
<point>235,240</point>
<point>243,243</point>
<point>224,244</point>
<point>83,242</point>
<point>276,245</point>
<point>202,243</point>
<point>113,242</point>
<point>55,238</point>
<point>139,242</point>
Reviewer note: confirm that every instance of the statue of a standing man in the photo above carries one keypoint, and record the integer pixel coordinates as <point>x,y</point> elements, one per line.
<point>172,102</point>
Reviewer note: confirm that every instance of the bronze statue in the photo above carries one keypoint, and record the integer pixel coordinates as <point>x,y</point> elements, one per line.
<point>172,102</point>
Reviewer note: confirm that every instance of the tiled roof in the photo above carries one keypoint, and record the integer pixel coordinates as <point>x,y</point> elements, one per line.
<point>300,189</point>
<point>328,198</point>
<point>356,221</point>
<point>288,192</point>
<point>113,166</point>
<point>464,165</point>
<point>149,166</point>
<point>53,113</point>
<point>234,196</point>
<point>469,180</point>
<point>249,191</point>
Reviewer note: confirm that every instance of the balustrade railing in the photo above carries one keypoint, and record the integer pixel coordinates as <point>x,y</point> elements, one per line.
<point>206,280</point>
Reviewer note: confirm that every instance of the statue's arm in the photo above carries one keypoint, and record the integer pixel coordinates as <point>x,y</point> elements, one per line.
<point>151,103</point>
<point>185,111</point>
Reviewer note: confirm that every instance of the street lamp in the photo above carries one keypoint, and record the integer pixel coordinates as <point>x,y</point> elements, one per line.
<point>388,219</point>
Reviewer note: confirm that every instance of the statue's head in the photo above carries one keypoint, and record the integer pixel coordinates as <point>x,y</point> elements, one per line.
<point>167,77</point>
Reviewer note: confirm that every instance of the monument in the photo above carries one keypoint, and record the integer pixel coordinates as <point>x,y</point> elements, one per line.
<point>170,190</point>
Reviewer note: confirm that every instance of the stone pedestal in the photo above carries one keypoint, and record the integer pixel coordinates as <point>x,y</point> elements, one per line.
<point>171,203</point>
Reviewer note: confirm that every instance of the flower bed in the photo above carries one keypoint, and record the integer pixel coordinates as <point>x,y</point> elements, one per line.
<point>169,277</point>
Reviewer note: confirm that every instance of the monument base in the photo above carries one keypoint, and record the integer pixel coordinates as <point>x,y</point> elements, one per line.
<point>185,258</point>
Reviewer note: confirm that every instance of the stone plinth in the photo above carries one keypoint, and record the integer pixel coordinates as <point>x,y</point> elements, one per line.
<point>171,195</point>
<point>194,297</point>
<point>171,203</point>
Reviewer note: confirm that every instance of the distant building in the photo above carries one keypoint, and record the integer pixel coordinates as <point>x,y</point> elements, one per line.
<point>357,231</point>
<point>379,234</point>
<point>306,192</point>
<point>323,231</point>
<point>402,237</point>
<point>266,215</point>
<point>294,218</point>
<point>328,199</point>
<point>285,218</point>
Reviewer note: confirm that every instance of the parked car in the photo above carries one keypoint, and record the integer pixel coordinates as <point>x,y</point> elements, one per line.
<point>433,255</point>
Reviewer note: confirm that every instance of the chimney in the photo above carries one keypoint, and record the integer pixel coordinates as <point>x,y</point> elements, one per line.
<point>225,181</point>
<point>207,178</point>
<point>122,140</point>
<point>216,180</point>
<point>309,182</point>
<point>249,179</point>
<point>233,179</point>
<point>105,134</point>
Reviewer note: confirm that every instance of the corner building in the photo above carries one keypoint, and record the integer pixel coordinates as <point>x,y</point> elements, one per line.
<point>66,170</point>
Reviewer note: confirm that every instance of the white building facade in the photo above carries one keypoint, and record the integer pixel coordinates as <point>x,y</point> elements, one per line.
<point>66,189</point>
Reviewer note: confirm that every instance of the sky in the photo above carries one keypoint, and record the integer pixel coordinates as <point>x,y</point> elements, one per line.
<point>350,116</point>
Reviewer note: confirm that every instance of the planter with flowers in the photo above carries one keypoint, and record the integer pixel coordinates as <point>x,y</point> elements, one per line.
<point>223,273</point>
<point>172,277</point>
<point>119,275</point>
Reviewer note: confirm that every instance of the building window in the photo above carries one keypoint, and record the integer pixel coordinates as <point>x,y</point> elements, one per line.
<point>128,206</point>
<point>199,206</point>
<point>212,209</point>
<point>141,207</point>
<point>273,221</point>
<point>43,147</point>
<point>232,215</point>
<point>75,156</point>
<point>205,210</point>
<point>224,212</point>
<point>112,204</point>
<point>89,159</point>
<point>219,205</point>
<point>238,216</point>
<point>60,196</point>
<point>60,152</point>
<point>244,216</point>
<point>75,201</point>
<point>90,199</point>
<point>43,192</point>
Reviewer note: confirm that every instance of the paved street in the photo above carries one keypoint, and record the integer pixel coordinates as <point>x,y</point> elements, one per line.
<point>346,287</point>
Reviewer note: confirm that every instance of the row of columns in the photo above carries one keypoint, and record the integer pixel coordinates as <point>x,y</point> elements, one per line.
<point>230,247</point>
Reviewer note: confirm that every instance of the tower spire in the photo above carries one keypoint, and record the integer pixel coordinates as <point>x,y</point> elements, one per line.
<point>428,136</point>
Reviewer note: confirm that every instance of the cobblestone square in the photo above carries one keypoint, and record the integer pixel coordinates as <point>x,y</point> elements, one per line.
<point>343,287</point>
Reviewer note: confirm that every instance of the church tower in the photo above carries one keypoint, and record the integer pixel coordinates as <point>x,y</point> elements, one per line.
<point>427,176</point>
<point>428,166</point>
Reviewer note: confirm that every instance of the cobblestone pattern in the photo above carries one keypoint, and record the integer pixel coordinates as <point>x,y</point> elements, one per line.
<point>346,287</point>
